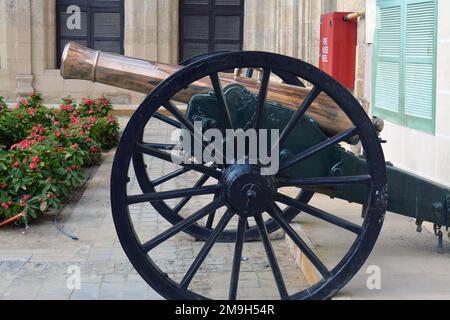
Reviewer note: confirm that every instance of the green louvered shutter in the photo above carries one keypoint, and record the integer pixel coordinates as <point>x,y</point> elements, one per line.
<point>387,90</point>
<point>420,52</point>
<point>405,63</point>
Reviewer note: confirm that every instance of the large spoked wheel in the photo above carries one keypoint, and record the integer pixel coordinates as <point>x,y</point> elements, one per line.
<point>203,232</point>
<point>263,196</point>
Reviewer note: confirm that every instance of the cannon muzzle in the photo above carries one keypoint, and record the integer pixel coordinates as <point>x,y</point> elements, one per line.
<point>138,75</point>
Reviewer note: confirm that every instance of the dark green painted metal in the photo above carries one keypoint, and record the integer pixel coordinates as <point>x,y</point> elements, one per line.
<point>409,194</point>
<point>242,106</point>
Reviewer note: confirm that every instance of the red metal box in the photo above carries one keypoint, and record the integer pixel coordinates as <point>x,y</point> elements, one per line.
<point>338,47</point>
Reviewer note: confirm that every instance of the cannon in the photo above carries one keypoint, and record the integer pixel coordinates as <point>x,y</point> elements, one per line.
<point>316,118</point>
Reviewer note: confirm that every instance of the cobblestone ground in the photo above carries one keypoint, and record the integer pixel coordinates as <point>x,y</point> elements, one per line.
<point>34,263</point>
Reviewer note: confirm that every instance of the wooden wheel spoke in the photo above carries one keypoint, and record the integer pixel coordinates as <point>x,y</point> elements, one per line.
<point>262,97</point>
<point>178,161</point>
<point>212,216</point>
<point>320,214</point>
<point>222,101</point>
<point>210,221</point>
<point>325,181</point>
<point>173,194</point>
<point>201,182</point>
<point>181,226</point>
<point>190,127</point>
<point>169,177</point>
<point>168,120</point>
<point>206,250</point>
<point>276,213</point>
<point>313,94</point>
<point>272,258</point>
<point>180,117</point>
<point>235,272</point>
<point>318,148</point>
<point>160,146</point>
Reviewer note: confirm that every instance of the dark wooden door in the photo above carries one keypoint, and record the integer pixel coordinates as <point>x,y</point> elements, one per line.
<point>210,25</point>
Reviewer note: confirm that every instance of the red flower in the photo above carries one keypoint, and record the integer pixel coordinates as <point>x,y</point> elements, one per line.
<point>16,164</point>
<point>58,133</point>
<point>31,112</point>
<point>103,101</point>
<point>88,102</point>
<point>74,146</point>
<point>69,169</point>
<point>93,149</point>
<point>41,130</point>
<point>42,138</point>
<point>35,160</point>
<point>5,206</point>
<point>33,166</point>
<point>3,185</point>
<point>24,200</point>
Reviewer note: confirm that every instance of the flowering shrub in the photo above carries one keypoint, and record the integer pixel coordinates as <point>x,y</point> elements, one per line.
<point>42,154</point>
<point>92,118</point>
<point>27,114</point>
<point>106,132</point>
<point>37,174</point>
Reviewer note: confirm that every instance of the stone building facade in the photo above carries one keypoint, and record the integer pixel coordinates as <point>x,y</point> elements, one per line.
<point>28,41</point>
<point>28,58</point>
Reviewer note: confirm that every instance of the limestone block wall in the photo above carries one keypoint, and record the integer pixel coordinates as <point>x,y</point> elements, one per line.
<point>28,47</point>
<point>292,27</point>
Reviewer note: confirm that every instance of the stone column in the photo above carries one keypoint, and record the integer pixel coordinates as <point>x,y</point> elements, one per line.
<point>16,48</point>
<point>151,29</point>
<point>290,27</point>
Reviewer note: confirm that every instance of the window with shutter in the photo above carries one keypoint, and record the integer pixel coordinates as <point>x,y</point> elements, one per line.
<point>405,63</point>
<point>210,25</point>
<point>101,28</point>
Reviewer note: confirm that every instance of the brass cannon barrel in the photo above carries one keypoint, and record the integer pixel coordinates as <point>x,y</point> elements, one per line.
<point>143,76</point>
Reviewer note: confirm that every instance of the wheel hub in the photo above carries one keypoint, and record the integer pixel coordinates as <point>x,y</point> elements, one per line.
<point>246,191</point>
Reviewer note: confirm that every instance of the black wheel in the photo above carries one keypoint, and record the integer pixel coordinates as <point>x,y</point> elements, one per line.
<point>264,197</point>
<point>203,232</point>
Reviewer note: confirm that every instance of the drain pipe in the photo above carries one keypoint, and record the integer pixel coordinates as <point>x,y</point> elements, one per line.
<point>355,15</point>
